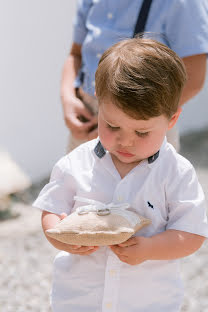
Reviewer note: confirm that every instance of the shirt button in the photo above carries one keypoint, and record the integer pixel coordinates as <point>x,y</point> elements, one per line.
<point>112,272</point>
<point>109,305</point>
<point>110,15</point>
<point>99,55</point>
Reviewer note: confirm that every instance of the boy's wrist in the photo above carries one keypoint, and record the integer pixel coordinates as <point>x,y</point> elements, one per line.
<point>145,248</point>
<point>149,250</point>
<point>156,247</point>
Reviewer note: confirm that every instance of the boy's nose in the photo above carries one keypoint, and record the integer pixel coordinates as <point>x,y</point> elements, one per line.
<point>125,140</point>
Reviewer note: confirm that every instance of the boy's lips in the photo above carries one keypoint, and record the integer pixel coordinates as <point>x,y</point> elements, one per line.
<point>125,153</point>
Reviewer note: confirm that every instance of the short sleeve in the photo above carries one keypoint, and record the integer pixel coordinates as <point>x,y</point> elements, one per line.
<point>186,27</point>
<point>186,203</point>
<point>80,30</point>
<point>57,196</point>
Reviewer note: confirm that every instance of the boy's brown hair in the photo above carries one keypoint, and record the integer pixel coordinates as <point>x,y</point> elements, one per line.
<point>142,77</point>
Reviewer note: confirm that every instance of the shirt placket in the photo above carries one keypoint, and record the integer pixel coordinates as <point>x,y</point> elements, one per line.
<point>113,265</point>
<point>111,286</point>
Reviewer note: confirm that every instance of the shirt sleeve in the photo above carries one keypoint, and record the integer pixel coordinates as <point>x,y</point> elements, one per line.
<point>186,203</point>
<point>80,29</point>
<point>57,196</point>
<point>186,27</point>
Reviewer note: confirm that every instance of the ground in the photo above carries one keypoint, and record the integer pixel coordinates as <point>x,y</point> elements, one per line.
<point>26,257</point>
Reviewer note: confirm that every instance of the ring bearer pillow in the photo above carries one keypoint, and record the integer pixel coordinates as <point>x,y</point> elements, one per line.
<point>98,224</point>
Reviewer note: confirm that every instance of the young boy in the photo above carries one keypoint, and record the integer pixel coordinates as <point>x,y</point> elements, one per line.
<point>138,87</point>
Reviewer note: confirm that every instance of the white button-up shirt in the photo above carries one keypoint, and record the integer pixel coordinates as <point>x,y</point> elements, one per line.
<point>165,190</point>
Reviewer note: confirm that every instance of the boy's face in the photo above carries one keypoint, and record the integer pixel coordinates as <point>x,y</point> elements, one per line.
<point>127,139</point>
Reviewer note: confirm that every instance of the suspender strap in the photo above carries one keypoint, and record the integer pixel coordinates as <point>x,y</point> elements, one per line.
<point>142,17</point>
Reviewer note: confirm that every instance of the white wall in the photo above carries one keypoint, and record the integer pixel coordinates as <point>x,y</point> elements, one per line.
<point>35,39</point>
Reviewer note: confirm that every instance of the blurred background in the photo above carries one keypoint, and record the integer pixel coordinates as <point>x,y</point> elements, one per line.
<point>35,40</point>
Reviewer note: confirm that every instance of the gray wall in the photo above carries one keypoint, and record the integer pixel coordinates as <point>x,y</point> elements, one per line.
<point>35,39</point>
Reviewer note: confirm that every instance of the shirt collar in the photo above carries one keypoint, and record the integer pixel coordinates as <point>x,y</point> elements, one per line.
<point>100,152</point>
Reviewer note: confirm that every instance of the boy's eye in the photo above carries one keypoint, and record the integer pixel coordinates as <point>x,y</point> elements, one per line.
<point>142,134</point>
<point>112,128</point>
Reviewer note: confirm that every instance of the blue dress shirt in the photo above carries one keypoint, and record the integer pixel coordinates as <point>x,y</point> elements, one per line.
<point>180,24</point>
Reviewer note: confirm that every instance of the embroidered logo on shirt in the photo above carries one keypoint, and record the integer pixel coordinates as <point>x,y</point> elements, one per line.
<point>150,205</point>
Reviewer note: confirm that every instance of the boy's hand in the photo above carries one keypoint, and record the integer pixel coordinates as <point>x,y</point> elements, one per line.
<point>134,251</point>
<point>80,250</point>
<point>49,220</point>
<point>167,245</point>
<point>73,249</point>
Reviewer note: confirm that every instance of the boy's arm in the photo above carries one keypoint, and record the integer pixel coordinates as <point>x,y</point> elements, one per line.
<point>49,220</point>
<point>73,107</point>
<point>168,245</point>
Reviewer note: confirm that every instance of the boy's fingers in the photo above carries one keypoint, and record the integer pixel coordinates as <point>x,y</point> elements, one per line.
<point>118,250</point>
<point>82,249</point>
<point>130,242</point>
<point>88,252</point>
<point>121,248</point>
<point>75,247</point>
<point>123,259</point>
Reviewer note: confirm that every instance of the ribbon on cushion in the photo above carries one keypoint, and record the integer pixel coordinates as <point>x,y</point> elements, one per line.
<point>105,209</point>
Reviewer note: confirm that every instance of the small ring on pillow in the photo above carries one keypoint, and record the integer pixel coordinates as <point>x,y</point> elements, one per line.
<point>103,212</point>
<point>82,212</point>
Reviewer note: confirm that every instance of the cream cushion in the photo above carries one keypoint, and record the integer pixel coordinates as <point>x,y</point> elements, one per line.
<point>95,227</point>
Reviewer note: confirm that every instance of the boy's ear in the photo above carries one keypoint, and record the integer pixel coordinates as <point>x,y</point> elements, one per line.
<point>174,118</point>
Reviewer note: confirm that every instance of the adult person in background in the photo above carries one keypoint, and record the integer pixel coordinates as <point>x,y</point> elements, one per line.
<point>180,24</point>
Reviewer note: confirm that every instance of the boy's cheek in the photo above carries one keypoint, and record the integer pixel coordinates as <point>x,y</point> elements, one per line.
<point>106,139</point>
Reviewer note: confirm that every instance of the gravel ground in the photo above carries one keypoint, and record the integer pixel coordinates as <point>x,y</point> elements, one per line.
<point>26,257</point>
